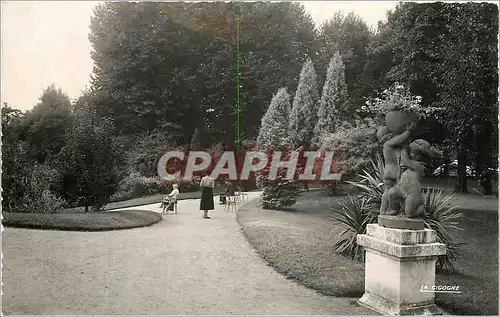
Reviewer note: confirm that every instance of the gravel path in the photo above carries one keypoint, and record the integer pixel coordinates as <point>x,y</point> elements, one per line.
<point>183,265</point>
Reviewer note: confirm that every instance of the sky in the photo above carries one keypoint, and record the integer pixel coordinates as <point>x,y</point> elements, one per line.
<point>46,42</point>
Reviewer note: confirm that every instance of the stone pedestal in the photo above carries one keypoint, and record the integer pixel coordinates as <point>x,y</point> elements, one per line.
<point>397,222</point>
<point>398,263</point>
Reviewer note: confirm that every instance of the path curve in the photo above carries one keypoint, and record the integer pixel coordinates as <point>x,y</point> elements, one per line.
<point>182,265</point>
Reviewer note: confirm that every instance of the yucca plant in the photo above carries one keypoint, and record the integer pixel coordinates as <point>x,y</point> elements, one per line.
<point>371,180</point>
<point>443,217</point>
<point>354,213</point>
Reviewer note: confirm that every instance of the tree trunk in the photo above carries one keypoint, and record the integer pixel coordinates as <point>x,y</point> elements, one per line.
<point>86,208</point>
<point>461,185</point>
<point>446,162</point>
<point>485,160</point>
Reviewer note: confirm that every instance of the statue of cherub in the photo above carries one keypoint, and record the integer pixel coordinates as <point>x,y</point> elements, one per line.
<point>409,189</point>
<point>392,144</point>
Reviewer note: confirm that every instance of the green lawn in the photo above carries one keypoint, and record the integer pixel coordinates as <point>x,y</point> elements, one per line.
<point>90,221</point>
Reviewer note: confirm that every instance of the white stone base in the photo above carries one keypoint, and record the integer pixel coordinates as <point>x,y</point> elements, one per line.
<point>398,263</point>
<point>385,307</point>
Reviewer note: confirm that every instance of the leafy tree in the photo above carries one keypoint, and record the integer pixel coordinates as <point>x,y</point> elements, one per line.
<point>14,157</point>
<point>304,111</point>
<point>172,66</point>
<point>274,127</point>
<point>463,81</point>
<point>27,186</point>
<point>379,59</point>
<point>275,41</point>
<point>46,124</point>
<point>140,55</point>
<point>333,99</point>
<point>470,85</point>
<point>88,162</point>
<point>11,121</point>
<point>350,35</point>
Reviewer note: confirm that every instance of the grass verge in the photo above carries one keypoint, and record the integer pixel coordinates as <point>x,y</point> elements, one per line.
<point>299,244</point>
<point>92,221</point>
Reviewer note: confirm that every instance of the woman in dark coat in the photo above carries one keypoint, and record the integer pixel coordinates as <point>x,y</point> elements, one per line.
<point>207,185</point>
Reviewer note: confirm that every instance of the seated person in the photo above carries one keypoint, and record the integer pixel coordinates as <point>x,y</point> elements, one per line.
<point>229,191</point>
<point>169,200</point>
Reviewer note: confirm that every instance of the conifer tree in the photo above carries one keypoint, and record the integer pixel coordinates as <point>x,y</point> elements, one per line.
<point>333,99</point>
<point>304,111</point>
<point>274,127</point>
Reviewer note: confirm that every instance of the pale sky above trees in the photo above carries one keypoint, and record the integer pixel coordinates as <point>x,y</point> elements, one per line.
<point>46,42</point>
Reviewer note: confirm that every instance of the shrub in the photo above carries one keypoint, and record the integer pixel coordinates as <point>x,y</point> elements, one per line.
<point>38,196</point>
<point>16,165</point>
<point>144,156</point>
<point>186,185</point>
<point>443,217</point>
<point>44,203</point>
<point>135,185</point>
<point>354,145</point>
<point>280,193</point>
<point>355,213</point>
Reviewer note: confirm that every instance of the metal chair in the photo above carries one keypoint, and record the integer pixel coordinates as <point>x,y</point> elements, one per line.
<point>243,195</point>
<point>165,203</point>
<point>231,202</point>
<point>237,196</point>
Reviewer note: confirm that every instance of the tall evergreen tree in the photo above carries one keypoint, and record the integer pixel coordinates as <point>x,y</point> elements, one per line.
<point>304,110</point>
<point>333,99</point>
<point>274,127</point>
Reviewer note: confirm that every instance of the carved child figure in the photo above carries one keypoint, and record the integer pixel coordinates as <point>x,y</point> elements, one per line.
<point>409,188</point>
<point>391,170</point>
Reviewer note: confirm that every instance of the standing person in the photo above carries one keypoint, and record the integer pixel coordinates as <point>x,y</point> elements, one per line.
<point>207,185</point>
